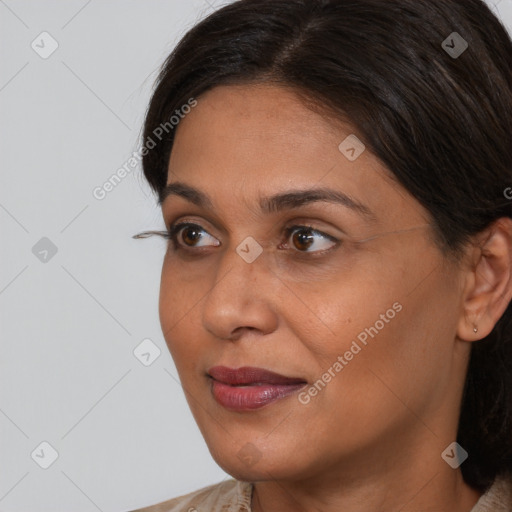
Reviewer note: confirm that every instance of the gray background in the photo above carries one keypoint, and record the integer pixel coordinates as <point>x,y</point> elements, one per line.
<point>70,321</point>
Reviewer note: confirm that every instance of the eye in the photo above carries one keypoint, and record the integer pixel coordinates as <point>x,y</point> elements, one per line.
<point>305,237</point>
<point>187,234</point>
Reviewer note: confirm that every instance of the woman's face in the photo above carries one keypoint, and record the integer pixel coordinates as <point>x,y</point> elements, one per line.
<point>355,302</point>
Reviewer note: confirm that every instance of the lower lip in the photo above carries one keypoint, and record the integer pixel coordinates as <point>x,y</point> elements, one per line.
<point>248,398</point>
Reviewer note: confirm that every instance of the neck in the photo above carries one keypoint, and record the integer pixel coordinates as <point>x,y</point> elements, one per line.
<point>417,487</point>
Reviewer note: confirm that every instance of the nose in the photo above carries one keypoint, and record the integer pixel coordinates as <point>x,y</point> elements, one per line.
<point>243,298</point>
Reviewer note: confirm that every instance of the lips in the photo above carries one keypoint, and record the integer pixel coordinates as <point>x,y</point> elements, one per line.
<point>250,388</point>
<point>247,376</point>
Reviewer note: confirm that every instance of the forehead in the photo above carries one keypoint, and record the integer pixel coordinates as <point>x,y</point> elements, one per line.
<point>273,114</point>
<point>246,131</point>
<point>252,141</point>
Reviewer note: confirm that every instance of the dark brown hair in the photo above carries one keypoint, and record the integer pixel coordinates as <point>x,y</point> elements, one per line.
<point>441,123</point>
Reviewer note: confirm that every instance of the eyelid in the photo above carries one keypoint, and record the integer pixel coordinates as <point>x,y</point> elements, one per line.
<point>305,225</point>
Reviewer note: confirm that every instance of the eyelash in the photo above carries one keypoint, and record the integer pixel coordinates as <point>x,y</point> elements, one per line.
<point>174,230</point>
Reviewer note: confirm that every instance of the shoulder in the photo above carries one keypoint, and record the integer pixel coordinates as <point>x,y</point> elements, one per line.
<point>227,496</point>
<point>498,497</point>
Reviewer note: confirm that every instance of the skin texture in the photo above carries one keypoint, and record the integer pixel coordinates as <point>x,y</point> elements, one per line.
<point>372,438</point>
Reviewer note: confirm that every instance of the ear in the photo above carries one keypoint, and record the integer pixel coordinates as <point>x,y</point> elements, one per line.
<point>488,281</point>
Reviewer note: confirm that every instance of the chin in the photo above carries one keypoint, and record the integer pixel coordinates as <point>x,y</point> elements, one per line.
<point>251,464</point>
<point>245,474</point>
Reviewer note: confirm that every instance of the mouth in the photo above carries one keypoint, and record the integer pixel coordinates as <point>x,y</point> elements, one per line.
<point>249,388</point>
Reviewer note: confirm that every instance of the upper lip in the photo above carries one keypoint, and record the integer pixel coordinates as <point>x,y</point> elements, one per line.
<point>250,375</point>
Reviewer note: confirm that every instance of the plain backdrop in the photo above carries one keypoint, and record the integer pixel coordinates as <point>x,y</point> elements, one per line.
<point>92,415</point>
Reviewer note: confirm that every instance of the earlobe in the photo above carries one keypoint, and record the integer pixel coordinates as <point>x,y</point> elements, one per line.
<point>488,283</point>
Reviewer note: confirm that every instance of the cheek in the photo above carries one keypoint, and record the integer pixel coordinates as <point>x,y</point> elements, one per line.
<point>180,293</point>
<point>369,381</point>
<point>350,308</point>
<point>405,360</point>
<point>419,359</point>
<point>382,327</point>
<point>177,303</point>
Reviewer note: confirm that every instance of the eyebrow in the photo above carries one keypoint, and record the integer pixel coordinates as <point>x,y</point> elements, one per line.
<point>273,204</point>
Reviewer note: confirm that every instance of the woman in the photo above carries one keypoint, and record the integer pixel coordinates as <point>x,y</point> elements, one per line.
<point>336,289</point>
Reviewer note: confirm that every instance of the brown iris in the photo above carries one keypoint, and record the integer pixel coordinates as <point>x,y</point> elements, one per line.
<point>303,239</point>
<point>190,234</point>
